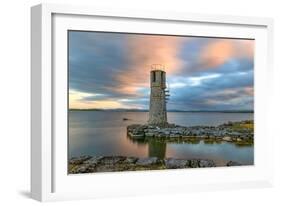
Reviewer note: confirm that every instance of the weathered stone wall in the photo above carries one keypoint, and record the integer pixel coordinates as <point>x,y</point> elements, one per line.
<point>157,107</point>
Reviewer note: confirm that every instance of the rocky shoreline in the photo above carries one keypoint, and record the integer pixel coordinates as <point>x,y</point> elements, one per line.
<point>89,164</point>
<point>240,133</point>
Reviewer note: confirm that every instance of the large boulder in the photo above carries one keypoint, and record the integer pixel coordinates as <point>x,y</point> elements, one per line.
<point>93,160</point>
<point>79,160</point>
<point>171,163</point>
<point>147,161</point>
<point>130,160</point>
<point>227,138</point>
<point>206,163</point>
<point>112,160</point>
<point>193,163</point>
<point>79,169</point>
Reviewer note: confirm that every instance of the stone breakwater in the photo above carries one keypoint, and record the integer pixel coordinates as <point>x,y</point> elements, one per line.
<point>89,164</point>
<point>241,133</point>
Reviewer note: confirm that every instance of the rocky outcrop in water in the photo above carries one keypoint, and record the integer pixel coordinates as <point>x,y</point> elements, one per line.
<point>88,164</point>
<point>241,133</point>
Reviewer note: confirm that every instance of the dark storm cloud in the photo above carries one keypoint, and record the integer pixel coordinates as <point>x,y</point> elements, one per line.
<point>229,91</point>
<point>94,61</point>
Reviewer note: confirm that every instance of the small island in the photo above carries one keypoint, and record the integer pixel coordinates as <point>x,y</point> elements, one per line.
<point>240,133</point>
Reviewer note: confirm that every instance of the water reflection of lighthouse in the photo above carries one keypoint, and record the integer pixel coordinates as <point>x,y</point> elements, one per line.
<point>157,149</point>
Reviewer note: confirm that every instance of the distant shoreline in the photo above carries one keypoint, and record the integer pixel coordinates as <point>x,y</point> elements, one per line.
<point>191,111</point>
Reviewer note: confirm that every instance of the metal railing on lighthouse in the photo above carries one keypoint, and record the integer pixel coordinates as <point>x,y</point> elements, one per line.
<point>167,93</point>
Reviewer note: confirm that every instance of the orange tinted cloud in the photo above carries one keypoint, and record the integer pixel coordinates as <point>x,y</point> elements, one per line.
<point>217,52</point>
<point>143,51</point>
<point>249,91</point>
<point>245,48</point>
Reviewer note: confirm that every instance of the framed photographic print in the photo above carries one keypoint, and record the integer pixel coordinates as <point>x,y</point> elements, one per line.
<point>135,102</point>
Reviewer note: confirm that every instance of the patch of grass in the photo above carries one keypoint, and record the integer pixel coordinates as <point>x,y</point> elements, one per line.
<point>244,143</point>
<point>238,126</point>
<point>209,141</point>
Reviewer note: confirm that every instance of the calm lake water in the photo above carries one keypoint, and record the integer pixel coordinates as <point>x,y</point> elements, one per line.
<point>104,133</point>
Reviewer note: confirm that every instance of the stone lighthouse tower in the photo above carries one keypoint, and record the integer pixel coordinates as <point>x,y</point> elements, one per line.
<point>158,94</point>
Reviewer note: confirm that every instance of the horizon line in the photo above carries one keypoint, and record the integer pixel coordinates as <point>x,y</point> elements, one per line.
<point>172,110</point>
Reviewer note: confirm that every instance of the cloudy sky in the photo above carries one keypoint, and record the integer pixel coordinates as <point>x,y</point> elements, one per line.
<point>111,70</point>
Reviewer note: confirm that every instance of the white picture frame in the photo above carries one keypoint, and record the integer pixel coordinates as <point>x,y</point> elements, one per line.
<point>49,178</point>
